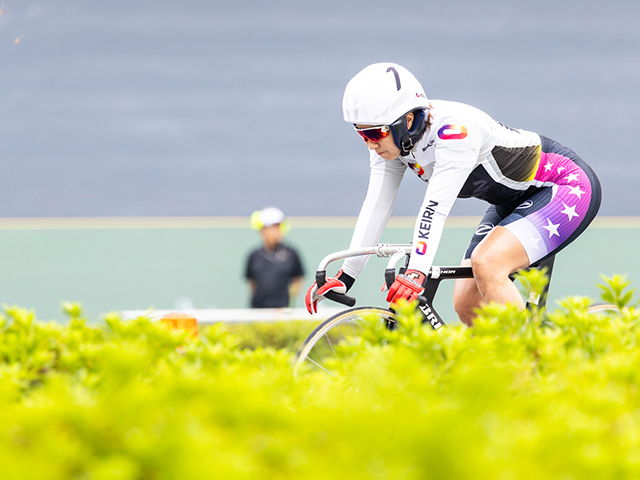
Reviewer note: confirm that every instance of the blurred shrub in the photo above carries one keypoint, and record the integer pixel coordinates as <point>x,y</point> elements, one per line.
<point>547,396</point>
<point>280,335</point>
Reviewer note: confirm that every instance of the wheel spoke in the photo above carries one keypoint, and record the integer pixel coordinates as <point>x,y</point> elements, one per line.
<point>320,366</point>
<point>332,332</point>
<point>331,345</point>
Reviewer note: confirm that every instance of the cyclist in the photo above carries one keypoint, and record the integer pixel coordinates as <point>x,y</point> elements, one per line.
<point>541,194</point>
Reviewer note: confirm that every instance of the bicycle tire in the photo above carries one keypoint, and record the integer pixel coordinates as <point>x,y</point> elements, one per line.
<point>314,349</point>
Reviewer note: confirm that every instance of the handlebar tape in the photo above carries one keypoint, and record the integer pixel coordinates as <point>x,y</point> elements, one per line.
<point>343,298</point>
<point>389,276</point>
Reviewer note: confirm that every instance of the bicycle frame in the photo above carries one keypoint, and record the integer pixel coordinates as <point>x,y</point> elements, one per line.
<point>435,275</point>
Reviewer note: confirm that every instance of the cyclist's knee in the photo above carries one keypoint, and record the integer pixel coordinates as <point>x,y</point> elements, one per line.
<point>465,312</point>
<point>466,299</point>
<point>487,267</point>
<point>459,301</point>
<point>497,256</point>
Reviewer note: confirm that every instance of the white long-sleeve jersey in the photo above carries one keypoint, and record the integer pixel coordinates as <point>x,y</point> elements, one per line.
<point>463,153</point>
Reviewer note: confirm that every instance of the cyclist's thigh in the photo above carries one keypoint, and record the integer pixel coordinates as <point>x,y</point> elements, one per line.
<point>555,215</point>
<point>550,219</point>
<point>493,216</point>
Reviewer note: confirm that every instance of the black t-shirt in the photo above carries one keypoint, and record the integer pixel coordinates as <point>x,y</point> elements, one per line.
<point>272,271</point>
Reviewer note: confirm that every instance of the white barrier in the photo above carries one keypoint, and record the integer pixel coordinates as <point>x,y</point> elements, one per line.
<point>239,315</point>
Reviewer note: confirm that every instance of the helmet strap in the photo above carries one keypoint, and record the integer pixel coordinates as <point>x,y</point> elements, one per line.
<point>406,138</point>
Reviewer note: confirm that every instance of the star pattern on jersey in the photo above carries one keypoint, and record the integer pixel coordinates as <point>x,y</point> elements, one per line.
<point>576,191</point>
<point>572,177</point>
<point>548,166</point>
<point>534,241</point>
<point>569,211</point>
<point>560,169</point>
<point>552,228</point>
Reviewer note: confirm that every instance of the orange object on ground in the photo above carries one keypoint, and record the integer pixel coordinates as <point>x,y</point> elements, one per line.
<point>181,321</point>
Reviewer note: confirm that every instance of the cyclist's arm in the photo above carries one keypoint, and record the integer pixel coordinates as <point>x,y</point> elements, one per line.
<point>451,170</point>
<point>384,181</point>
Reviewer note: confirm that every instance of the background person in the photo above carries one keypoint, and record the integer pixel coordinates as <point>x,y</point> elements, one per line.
<point>274,270</point>
<point>541,194</point>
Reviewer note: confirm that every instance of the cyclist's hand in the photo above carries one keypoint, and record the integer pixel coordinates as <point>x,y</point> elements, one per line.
<point>339,284</point>
<point>409,285</point>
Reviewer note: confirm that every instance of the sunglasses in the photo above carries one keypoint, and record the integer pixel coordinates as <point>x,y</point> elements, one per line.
<point>373,134</point>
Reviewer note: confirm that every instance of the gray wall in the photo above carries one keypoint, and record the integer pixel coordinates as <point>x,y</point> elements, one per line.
<point>210,107</point>
<point>111,265</point>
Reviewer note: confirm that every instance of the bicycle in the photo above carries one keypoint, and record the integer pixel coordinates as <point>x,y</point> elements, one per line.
<point>319,348</point>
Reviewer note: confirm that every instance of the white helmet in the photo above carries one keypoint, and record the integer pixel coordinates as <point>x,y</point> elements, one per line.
<point>382,93</point>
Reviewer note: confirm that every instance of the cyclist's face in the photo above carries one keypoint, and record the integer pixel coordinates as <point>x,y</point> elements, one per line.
<point>386,147</point>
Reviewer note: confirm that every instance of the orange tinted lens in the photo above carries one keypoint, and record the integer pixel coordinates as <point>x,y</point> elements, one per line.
<point>373,134</point>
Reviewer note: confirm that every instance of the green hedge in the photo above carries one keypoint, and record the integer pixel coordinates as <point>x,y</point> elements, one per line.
<point>515,397</point>
<point>285,335</point>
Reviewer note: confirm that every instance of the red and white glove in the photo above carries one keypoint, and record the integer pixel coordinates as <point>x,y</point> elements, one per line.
<point>409,285</point>
<point>339,284</point>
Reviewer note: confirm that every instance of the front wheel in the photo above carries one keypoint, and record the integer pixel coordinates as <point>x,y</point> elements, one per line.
<point>606,308</point>
<point>322,348</point>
